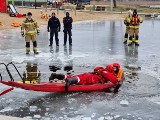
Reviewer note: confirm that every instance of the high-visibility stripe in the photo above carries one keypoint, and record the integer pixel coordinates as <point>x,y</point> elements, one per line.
<point>130,41</point>
<point>134,27</point>
<point>136,41</point>
<point>27,49</point>
<point>31,33</point>
<point>125,39</point>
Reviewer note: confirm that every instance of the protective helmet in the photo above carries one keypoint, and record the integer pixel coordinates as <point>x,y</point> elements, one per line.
<point>96,69</point>
<point>116,64</point>
<point>110,68</point>
<point>130,12</point>
<point>29,13</point>
<point>135,12</point>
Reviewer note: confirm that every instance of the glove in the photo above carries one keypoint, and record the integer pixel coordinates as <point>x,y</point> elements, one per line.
<point>22,33</point>
<point>38,31</point>
<point>117,88</point>
<point>93,72</point>
<point>54,68</point>
<point>59,30</point>
<point>68,68</point>
<point>48,30</point>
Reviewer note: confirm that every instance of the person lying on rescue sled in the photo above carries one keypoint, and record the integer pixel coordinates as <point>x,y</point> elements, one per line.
<point>100,75</point>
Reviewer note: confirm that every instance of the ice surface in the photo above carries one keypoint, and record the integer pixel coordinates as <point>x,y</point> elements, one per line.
<point>33,108</point>
<point>86,118</point>
<point>93,115</point>
<point>124,103</point>
<point>6,109</point>
<point>108,118</point>
<point>154,100</point>
<point>117,116</point>
<point>37,116</point>
<point>94,43</point>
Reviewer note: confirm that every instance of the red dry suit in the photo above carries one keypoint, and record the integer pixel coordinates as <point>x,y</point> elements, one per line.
<point>96,77</point>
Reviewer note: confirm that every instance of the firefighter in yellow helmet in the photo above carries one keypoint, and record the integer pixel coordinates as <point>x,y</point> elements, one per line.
<point>134,28</point>
<point>30,27</point>
<point>127,21</point>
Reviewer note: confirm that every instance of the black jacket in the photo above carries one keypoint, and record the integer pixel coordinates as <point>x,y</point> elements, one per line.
<point>67,21</point>
<point>54,23</point>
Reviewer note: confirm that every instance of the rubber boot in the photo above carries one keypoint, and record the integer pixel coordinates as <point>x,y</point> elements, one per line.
<point>56,76</point>
<point>125,38</point>
<point>125,42</point>
<point>70,81</point>
<point>27,48</point>
<point>35,47</point>
<point>35,52</point>
<point>130,41</point>
<point>136,40</point>
<point>136,44</point>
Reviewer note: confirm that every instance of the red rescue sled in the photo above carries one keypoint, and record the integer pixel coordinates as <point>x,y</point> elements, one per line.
<point>50,87</point>
<point>59,87</point>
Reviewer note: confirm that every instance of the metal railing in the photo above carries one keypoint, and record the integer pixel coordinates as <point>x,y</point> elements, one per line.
<point>8,71</point>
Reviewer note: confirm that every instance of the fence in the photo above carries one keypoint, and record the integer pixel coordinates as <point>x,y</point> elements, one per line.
<point>98,5</point>
<point>29,3</point>
<point>127,2</point>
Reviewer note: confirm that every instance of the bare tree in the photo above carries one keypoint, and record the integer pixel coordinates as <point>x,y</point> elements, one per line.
<point>114,3</point>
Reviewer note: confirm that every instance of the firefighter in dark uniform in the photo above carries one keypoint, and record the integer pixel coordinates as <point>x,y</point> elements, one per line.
<point>54,27</point>
<point>30,27</point>
<point>67,22</point>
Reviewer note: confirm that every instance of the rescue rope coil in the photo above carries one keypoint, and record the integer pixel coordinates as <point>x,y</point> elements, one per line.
<point>15,24</point>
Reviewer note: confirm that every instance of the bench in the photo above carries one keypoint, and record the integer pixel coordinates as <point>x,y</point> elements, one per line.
<point>100,8</point>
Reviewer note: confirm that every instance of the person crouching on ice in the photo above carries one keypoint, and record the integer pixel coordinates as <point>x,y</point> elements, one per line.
<point>119,74</point>
<point>100,75</point>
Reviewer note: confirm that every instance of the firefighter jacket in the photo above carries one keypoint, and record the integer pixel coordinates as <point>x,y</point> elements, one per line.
<point>30,26</point>
<point>67,21</point>
<point>135,22</point>
<point>127,21</point>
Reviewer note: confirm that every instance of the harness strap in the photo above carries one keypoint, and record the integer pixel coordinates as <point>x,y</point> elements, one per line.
<point>100,75</point>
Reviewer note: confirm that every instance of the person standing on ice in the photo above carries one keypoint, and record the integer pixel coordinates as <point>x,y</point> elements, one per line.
<point>100,75</point>
<point>67,22</point>
<point>30,28</point>
<point>134,28</point>
<point>127,21</point>
<point>54,27</point>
